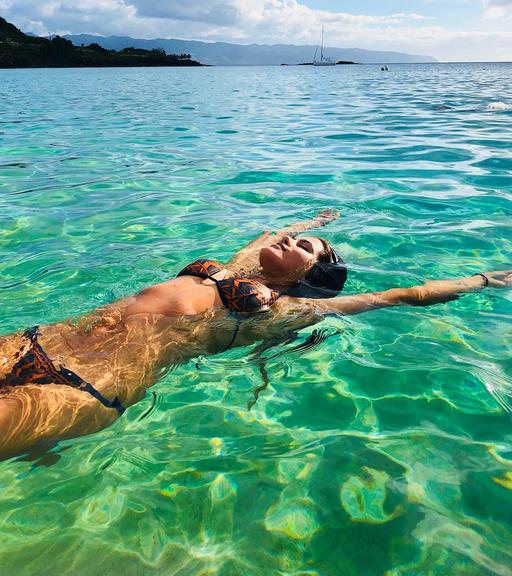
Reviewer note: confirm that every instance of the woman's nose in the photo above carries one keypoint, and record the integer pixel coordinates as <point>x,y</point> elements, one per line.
<point>288,240</point>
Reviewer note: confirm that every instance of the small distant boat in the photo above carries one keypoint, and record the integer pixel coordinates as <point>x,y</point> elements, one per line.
<point>324,61</point>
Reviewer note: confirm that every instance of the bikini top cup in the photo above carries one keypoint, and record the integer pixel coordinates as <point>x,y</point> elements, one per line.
<point>238,294</point>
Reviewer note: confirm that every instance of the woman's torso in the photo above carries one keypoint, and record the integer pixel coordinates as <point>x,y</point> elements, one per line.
<point>129,344</point>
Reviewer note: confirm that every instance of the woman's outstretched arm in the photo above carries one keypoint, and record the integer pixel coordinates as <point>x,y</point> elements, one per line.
<point>321,219</point>
<point>248,256</point>
<point>432,292</point>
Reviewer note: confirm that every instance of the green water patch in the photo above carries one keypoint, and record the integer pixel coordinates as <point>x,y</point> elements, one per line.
<point>281,177</point>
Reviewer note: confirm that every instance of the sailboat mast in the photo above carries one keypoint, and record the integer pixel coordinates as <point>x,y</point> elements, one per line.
<point>323,60</point>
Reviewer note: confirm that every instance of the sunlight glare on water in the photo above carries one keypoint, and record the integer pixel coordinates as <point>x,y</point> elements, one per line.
<point>386,448</point>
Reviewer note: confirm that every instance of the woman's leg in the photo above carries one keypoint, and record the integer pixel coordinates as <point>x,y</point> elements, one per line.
<point>31,414</point>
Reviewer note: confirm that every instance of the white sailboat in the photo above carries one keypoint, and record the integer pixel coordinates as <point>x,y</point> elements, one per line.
<point>324,61</point>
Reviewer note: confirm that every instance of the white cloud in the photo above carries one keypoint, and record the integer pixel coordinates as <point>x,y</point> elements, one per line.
<point>247,18</point>
<point>262,21</point>
<point>497,8</point>
<point>215,12</point>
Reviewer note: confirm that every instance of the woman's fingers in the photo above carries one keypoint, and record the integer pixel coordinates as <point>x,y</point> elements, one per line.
<point>327,215</point>
<point>508,279</point>
<point>500,278</point>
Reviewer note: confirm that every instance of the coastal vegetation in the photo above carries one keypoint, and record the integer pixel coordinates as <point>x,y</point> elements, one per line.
<point>19,50</point>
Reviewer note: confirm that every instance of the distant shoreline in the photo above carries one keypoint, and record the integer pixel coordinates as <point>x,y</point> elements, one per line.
<point>109,66</point>
<point>233,54</point>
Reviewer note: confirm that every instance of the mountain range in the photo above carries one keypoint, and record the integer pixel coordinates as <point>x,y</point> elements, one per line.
<point>226,54</point>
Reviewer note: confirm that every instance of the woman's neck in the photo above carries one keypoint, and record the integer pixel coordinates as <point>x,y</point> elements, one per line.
<point>279,284</point>
<point>274,282</point>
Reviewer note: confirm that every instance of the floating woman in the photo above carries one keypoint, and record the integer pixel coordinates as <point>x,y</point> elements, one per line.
<point>76,377</point>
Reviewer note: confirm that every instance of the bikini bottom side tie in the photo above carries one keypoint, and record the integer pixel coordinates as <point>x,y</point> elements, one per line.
<point>35,367</point>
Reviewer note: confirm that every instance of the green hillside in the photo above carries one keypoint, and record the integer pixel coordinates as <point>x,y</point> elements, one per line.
<point>17,50</point>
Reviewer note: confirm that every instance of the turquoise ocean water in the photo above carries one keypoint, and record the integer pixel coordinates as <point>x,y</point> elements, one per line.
<point>387,448</point>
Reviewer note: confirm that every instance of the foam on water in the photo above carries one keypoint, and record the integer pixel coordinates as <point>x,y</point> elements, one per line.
<point>499,106</point>
<point>379,443</point>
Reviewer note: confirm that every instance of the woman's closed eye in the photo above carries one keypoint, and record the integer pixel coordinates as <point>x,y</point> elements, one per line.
<point>306,245</point>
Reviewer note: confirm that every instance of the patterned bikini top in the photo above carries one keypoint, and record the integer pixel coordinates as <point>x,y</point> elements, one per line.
<point>237,294</point>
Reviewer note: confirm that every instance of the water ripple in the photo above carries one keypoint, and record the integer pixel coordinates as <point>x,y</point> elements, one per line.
<point>390,428</point>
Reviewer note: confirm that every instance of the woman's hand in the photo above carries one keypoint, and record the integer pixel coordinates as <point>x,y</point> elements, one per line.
<point>324,217</point>
<point>499,279</point>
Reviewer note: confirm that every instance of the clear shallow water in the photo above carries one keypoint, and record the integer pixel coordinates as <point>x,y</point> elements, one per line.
<point>387,448</point>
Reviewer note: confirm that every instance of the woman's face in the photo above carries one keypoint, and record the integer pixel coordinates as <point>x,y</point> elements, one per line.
<point>292,257</point>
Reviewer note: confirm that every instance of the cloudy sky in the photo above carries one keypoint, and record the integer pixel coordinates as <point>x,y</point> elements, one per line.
<point>446,29</point>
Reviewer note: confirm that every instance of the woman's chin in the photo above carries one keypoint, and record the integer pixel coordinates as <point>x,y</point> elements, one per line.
<point>271,261</point>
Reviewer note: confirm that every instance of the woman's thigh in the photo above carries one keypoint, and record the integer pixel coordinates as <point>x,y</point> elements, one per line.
<point>33,413</point>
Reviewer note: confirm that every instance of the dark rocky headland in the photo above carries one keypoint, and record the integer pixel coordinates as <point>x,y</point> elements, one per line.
<point>18,50</point>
